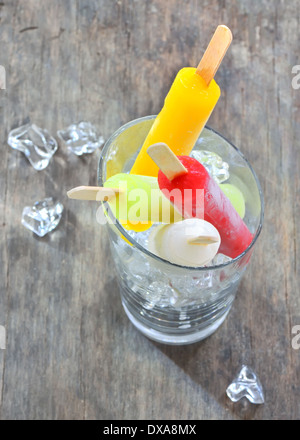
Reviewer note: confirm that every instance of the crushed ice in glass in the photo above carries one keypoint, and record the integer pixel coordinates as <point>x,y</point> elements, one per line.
<point>213,163</point>
<point>81,138</point>
<point>36,143</point>
<point>246,384</point>
<point>43,216</point>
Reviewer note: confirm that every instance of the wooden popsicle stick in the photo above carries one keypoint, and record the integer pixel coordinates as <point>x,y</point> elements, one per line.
<point>93,193</point>
<point>166,160</point>
<point>204,240</point>
<point>214,53</point>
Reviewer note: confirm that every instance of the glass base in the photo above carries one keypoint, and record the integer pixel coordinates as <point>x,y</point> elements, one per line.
<point>171,339</point>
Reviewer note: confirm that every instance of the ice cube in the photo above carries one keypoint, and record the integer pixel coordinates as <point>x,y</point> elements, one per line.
<point>81,138</point>
<point>214,164</point>
<point>192,290</point>
<point>246,384</point>
<point>36,143</point>
<point>161,294</point>
<point>219,259</point>
<point>43,216</point>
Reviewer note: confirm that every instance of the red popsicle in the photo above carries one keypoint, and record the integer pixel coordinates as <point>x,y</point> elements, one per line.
<point>218,210</point>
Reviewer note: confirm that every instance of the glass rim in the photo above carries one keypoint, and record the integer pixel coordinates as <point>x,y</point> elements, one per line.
<point>137,245</point>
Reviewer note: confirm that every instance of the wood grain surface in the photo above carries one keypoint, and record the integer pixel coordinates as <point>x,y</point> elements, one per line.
<point>71,352</point>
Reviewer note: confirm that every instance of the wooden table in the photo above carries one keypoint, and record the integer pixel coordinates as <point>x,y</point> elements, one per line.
<point>71,352</point>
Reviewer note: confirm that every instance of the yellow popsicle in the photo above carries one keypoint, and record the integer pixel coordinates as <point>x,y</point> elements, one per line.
<point>188,105</point>
<point>186,110</point>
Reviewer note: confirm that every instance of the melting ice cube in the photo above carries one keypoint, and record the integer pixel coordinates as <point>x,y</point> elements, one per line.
<point>81,138</point>
<point>246,384</point>
<point>214,164</point>
<point>36,143</point>
<point>43,216</point>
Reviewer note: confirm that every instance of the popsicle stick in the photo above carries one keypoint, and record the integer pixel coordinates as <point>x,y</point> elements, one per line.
<point>166,160</point>
<point>214,53</point>
<point>203,240</point>
<point>93,193</point>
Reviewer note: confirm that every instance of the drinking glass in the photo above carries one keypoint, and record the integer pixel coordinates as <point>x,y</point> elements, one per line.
<point>169,303</point>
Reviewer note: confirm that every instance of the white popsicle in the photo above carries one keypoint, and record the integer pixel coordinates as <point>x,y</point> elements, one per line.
<point>190,242</point>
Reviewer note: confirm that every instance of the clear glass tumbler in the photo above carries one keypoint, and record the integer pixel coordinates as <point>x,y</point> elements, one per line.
<point>169,303</point>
